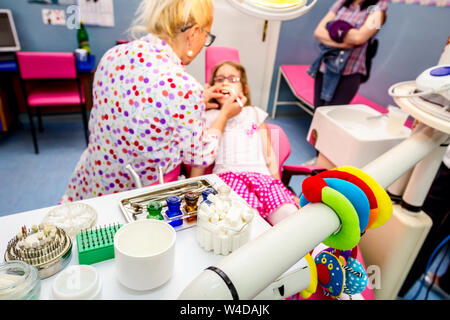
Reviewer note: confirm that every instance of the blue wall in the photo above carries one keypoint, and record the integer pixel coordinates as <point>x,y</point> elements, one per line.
<point>411,40</point>
<point>34,35</point>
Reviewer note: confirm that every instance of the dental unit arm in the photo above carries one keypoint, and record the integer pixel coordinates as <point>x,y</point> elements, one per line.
<point>250,272</point>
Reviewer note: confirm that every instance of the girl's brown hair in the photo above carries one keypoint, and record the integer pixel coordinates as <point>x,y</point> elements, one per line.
<point>243,77</point>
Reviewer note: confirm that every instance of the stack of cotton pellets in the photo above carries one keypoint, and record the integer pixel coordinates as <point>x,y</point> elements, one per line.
<point>46,247</point>
<point>223,223</point>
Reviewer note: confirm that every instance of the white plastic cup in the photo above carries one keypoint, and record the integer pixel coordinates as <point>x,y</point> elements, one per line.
<point>144,254</point>
<point>80,282</point>
<point>396,120</point>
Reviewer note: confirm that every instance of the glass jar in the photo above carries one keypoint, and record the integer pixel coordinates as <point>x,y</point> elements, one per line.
<point>206,193</point>
<point>154,209</point>
<point>191,207</point>
<point>19,281</point>
<point>174,210</point>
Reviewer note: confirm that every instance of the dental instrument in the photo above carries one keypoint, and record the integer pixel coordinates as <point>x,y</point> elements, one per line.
<point>239,101</point>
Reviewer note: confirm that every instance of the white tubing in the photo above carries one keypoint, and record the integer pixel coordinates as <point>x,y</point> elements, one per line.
<point>399,186</point>
<point>422,177</point>
<point>393,164</point>
<point>261,261</point>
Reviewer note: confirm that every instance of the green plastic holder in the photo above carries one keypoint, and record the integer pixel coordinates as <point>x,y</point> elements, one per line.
<point>96,245</point>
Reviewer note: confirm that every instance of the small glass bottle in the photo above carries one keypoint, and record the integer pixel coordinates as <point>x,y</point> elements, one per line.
<point>154,209</point>
<point>191,200</point>
<point>83,38</point>
<point>174,210</point>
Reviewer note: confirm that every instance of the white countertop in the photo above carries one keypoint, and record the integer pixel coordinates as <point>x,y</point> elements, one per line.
<point>190,258</point>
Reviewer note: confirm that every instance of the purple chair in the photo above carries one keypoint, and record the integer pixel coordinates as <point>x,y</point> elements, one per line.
<point>50,79</point>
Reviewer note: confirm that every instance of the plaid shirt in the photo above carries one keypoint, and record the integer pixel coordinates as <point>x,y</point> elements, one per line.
<point>353,15</point>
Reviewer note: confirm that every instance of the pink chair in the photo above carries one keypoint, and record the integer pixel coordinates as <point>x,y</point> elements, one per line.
<point>302,87</point>
<point>216,55</point>
<point>50,79</point>
<point>282,148</point>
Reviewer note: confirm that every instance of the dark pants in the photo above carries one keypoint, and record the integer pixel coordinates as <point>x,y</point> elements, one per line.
<point>437,206</point>
<point>347,88</point>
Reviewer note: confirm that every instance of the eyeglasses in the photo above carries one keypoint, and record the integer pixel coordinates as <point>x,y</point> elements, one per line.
<point>231,79</point>
<point>210,37</point>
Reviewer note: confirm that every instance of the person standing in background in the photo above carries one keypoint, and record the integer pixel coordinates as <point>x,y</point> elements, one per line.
<point>344,35</point>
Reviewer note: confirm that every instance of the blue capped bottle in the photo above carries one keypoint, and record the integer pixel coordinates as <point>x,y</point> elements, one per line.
<point>174,210</point>
<point>206,193</point>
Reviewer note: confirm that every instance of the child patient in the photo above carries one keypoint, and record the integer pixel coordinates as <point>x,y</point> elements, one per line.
<point>246,161</point>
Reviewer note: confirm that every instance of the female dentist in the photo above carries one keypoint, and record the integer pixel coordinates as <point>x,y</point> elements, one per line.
<point>148,111</point>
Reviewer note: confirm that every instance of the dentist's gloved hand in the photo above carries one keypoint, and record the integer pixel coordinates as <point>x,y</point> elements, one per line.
<point>231,107</point>
<point>210,93</point>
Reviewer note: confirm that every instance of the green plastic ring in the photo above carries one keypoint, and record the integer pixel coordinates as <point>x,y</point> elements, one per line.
<point>349,234</point>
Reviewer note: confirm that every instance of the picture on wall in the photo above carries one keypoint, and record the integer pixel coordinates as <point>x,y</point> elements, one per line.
<point>98,13</point>
<point>54,17</point>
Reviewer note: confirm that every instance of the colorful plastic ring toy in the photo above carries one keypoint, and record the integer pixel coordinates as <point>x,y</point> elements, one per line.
<point>360,184</point>
<point>353,193</point>
<point>383,199</point>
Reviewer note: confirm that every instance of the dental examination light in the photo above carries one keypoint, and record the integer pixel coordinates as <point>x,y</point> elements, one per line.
<point>274,9</point>
<point>251,271</point>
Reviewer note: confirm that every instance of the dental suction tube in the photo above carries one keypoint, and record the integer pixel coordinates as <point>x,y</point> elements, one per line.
<point>248,271</point>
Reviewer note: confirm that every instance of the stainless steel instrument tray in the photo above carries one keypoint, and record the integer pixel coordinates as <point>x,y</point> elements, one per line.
<point>135,208</point>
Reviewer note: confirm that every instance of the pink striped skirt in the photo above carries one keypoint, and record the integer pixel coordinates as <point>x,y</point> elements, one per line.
<point>262,192</point>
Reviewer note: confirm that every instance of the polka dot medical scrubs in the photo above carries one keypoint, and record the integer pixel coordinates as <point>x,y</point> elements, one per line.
<point>147,111</point>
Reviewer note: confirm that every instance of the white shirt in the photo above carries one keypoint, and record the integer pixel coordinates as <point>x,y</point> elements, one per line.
<point>241,148</point>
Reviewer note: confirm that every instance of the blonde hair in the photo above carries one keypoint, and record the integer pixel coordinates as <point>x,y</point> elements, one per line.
<point>243,77</point>
<point>165,18</point>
